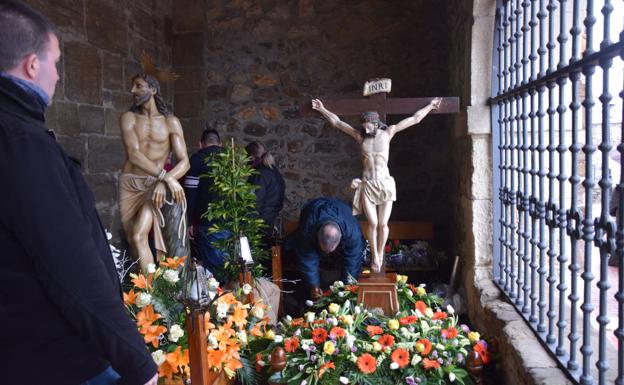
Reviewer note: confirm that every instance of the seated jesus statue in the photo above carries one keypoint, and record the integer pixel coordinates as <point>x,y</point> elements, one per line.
<point>375,191</point>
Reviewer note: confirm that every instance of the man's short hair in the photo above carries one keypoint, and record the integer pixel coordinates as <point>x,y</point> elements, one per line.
<point>23,31</point>
<point>329,236</point>
<point>210,135</point>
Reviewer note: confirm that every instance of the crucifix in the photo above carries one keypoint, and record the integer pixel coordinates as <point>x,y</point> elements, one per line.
<point>375,191</point>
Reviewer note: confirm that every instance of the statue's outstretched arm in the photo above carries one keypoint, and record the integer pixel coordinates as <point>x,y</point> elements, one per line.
<point>416,118</point>
<point>335,120</point>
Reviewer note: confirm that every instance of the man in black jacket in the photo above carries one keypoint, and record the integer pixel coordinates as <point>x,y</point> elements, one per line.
<point>61,311</point>
<point>199,194</point>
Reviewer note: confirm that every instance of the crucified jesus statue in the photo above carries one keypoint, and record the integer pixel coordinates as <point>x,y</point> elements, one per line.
<point>375,191</point>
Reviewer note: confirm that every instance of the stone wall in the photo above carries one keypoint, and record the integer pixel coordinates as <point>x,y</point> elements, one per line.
<point>259,60</point>
<point>245,67</point>
<point>101,43</point>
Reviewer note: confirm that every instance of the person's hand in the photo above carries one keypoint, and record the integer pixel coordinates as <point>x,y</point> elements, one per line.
<point>158,196</point>
<point>153,380</point>
<point>435,103</point>
<point>317,104</point>
<point>177,192</point>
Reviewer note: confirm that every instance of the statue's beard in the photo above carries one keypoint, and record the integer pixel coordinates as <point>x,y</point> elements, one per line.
<point>370,134</point>
<point>141,100</point>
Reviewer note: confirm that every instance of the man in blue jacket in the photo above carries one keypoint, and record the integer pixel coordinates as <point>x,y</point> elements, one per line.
<point>327,225</point>
<point>61,309</point>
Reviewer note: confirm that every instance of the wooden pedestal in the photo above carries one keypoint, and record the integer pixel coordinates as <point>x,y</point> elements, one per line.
<point>198,349</point>
<point>379,290</point>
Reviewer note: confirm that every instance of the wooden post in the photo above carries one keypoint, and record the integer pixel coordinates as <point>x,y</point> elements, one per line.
<point>198,348</point>
<point>379,290</point>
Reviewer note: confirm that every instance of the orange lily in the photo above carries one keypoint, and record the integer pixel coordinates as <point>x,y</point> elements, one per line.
<point>207,324</point>
<point>143,282</point>
<point>172,263</point>
<point>129,298</point>
<point>151,334</point>
<point>215,357</point>
<point>325,367</point>
<point>240,316</point>
<point>147,316</point>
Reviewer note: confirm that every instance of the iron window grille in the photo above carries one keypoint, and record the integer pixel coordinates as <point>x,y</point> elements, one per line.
<point>553,117</point>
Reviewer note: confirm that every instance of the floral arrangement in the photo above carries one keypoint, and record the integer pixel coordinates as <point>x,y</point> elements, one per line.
<point>153,303</point>
<point>393,247</point>
<point>341,342</point>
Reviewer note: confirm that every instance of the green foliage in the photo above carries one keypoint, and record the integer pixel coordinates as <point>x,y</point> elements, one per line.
<point>236,210</point>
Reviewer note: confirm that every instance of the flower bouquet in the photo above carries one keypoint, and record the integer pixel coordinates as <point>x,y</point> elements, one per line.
<point>344,343</point>
<point>153,303</point>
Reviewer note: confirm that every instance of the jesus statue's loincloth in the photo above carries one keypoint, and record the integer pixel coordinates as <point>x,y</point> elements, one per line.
<point>135,191</point>
<point>376,191</point>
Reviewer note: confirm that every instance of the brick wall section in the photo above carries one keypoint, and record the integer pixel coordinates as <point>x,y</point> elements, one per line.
<point>101,43</point>
<point>261,59</point>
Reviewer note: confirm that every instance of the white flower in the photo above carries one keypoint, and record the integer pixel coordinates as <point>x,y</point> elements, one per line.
<point>143,299</point>
<point>347,304</point>
<point>429,313</point>
<point>242,336</point>
<point>394,366</point>
<point>261,363</point>
<point>305,347</point>
<point>310,316</point>
<point>213,284</point>
<point>451,376</point>
<point>416,358</point>
<point>342,294</point>
<point>222,309</point>
<point>175,332</point>
<point>298,332</point>
<point>357,310</point>
<point>171,276</point>
<point>344,380</point>
<point>212,341</point>
<point>309,303</point>
<point>418,314</point>
<point>304,382</point>
<point>246,289</point>
<point>350,340</point>
<point>339,284</point>
<point>288,319</point>
<point>278,338</point>
<point>151,268</point>
<point>450,309</point>
<point>257,312</point>
<point>159,357</point>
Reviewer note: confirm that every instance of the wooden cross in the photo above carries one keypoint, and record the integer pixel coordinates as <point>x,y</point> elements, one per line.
<point>383,105</point>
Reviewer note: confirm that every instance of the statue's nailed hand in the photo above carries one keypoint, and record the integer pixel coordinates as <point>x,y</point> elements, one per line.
<point>317,104</point>
<point>435,103</point>
<point>176,189</point>
<point>158,196</point>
